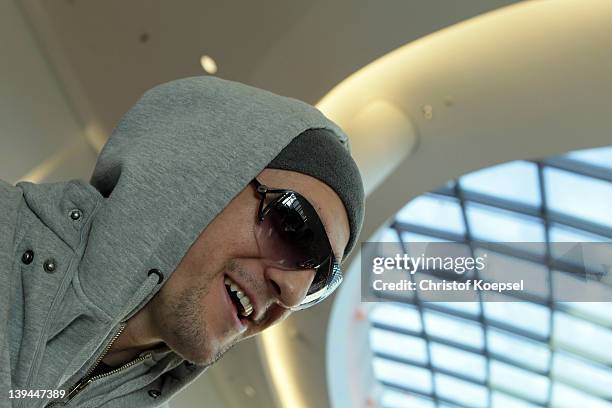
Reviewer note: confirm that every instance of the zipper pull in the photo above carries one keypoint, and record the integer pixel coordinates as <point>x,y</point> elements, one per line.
<point>73,391</point>
<point>77,388</point>
<point>71,394</point>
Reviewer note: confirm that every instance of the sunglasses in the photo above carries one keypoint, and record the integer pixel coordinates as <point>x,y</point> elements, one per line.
<point>291,236</point>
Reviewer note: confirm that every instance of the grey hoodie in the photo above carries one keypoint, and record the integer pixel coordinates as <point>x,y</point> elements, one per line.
<point>79,259</point>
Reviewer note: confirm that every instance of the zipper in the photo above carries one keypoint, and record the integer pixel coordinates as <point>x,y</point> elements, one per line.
<point>87,379</point>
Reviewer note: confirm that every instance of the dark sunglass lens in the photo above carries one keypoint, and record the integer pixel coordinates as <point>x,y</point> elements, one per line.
<point>292,227</point>
<point>292,235</point>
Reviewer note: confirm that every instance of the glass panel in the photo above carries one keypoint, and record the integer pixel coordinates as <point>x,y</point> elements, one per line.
<point>461,391</point>
<point>516,181</point>
<point>470,308</point>
<point>519,349</point>
<point>561,233</point>
<point>519,382</point>
<point>495,225</point>
<point>579,336</point>
<point>579,196</point>
<point>459,361</point>
<point>400,345</point>
<point>571,287</point>
<point>395,399</point>
<point>600,312</point>
<point>567,397</point>
<point>600,156</point>
<point>582,361</point>
<point>413,237</point>
<point>523,315</point>
<point>434,211</point>
<point>454,329</point>
<point>387,235</point>
<point>595,380</point>
<point>500,267</point>
<point>415,378</point>
<point>501,400</point>
<point>402,316</point>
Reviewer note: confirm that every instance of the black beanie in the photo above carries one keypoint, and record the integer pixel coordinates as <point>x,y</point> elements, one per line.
<point>320,154</point>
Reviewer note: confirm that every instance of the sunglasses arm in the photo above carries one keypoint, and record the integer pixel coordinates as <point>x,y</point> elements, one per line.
<point>262,189</point>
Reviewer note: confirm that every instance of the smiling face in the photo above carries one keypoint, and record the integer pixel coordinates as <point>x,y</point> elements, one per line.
<point>194,313</point>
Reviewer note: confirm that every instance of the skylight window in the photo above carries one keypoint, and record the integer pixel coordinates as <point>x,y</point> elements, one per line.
<point>534,353</point>
<point>516,181</point>
<point>495,225</point>
<point>434,211</point>
<point>579,196</point>
<point>600,157</point>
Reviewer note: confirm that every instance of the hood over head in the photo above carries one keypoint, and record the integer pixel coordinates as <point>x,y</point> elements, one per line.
<point>174,161</point>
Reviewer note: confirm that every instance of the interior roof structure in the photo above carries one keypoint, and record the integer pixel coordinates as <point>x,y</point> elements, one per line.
<point>538,352</point>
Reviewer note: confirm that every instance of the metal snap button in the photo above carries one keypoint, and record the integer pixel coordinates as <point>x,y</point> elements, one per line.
<point>75,214</point>
<point>27,257</point>
<point>160,276</point>
<point>50,265</point>
<point>154,393</point>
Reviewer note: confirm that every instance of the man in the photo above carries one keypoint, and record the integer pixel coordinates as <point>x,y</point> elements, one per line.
<point>214,211</point>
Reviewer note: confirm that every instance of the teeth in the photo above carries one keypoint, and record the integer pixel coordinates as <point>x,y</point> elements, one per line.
<point>247,307</point>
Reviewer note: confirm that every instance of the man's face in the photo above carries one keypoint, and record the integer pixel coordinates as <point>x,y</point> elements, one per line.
<point>193,312</point>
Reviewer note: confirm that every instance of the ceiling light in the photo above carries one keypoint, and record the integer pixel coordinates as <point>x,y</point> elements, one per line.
<point>209,64</point>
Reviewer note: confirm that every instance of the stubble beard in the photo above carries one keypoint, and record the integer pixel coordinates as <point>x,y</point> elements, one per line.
<point>190,331</point>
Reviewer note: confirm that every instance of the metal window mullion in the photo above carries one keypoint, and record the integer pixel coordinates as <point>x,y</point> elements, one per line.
<point>481,315</point>
<point>493,324</point>
<point>500,248</point>
<point>504,204</point>
<point>582,316</point>
<point>408,390</point>
<point>496,324</point>
<point>423,334</point>
<point>440,370</point>
<point>466,316</point>
<point>409,227</point>
<point>578,223</point>
<point>533,211</point>
<point>578,167</point>
<point>568,349</point>
<point>550,300</point>
<point>464,347</point>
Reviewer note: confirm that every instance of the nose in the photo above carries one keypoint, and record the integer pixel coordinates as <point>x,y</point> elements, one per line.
<point>289,286</point>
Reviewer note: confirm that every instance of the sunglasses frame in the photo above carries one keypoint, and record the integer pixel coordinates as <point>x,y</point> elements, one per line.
<point>334,273</point>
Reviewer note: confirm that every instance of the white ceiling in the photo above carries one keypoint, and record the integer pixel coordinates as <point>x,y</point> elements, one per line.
<point>117,49</point>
